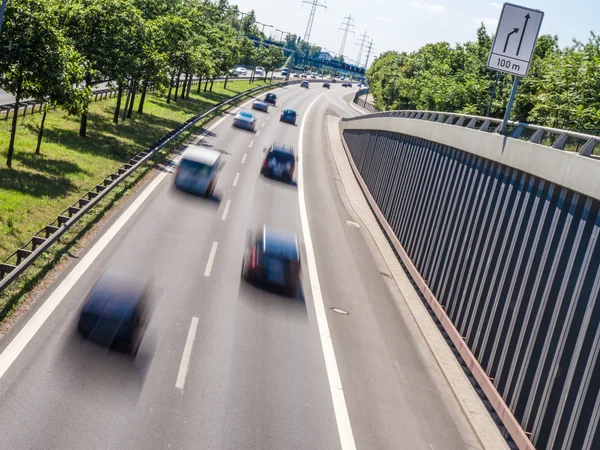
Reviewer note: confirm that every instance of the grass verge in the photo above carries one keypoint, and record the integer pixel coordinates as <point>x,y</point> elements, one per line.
<point>38,187</point>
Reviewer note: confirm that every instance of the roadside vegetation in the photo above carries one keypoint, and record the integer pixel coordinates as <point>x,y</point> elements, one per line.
<point>560,91</point>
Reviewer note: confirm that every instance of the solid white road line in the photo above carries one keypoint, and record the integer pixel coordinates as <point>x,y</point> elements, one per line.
<point>18,344</point>
<point>236,179</point>
<point>187,353</point>
<point>333,374</point>
<point>211,259</point>
<point>244,158</point>
<point>226,210</point>
<point>251,144</point>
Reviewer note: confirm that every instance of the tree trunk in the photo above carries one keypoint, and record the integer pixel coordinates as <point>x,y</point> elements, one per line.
<point>184,87</point>
<point>211,83</point>
<point>143,98</point>
<point>83,124</point>
<point>13,129</point>
<point>118,106</point>
<point>225,84</point>
<point>170,88</point>
<point>206,85</point>
<point>41,133</point>
<point>132,101</point>
<point>177,85</point>
<point>189,86</point>
<point>127,100</point>
<point>199,83</point>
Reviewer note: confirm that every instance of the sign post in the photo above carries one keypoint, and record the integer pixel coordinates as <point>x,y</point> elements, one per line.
<point>513,46</point>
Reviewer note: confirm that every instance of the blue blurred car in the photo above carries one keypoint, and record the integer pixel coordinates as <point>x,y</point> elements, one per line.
<point>273,257</point>
<point>260,106</point>
<point>116,312</point>
<point>304,84</point>
<point>289,116</point>
<point>245,119</point>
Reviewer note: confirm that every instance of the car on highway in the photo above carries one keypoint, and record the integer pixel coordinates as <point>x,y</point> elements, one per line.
<point>279,163</point>
<point>347,84</point>
<point>296,75</point>
<point>245,119</point>
<point>259,71</point>
<point>273,257</point>
<point>271,98</point>
<point>238,71</point>
<point>326,85</point>
<point>198,170</point>
<point>304,84</point>
<point>289,116</point>
<point>304,75</point>
<point>260,106</point>
<point>115,312</point>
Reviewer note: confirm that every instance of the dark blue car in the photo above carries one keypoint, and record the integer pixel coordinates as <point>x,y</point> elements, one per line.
<point>289,116</point>
<point>273,258</point>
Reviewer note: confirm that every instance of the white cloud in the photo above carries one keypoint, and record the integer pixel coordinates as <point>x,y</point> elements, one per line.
<point>383,19</point>
<point>430,7</point>
<point>495,5</point>
<point>488,22</point>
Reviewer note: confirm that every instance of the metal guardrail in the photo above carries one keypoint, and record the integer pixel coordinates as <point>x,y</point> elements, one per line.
<point>584,143</point>
<point>24,257</point>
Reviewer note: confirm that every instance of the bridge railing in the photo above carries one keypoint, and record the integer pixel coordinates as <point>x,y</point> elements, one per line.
<point>582,143</point>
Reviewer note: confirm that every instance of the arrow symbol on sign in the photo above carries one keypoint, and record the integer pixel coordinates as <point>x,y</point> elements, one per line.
<point>527,17</point>
<point>516,30</point>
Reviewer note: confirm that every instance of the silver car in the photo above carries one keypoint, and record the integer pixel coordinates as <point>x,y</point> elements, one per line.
<point>245,119</point>
<point>198,169</point>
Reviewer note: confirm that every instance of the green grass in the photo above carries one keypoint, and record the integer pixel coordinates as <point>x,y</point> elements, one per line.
<point>39,187</point>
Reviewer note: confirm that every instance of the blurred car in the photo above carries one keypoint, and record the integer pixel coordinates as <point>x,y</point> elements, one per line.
<point>115,312</point>
<point>304,84</point>
<point>279,162</point>
<point>198,170</point>
<point>296,75</point>
<point>245,119</point>
<point>238,71</point>
<point>260,106</point>
<point>259,71</point>
<point>347,84</point>
<point>304,75</point>
<point>273,257</point>
<point>271,98</point>
<point>289,116</point>
<point>327,85</point>
<point>334,80</point>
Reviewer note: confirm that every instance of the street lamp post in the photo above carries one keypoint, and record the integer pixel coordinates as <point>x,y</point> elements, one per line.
<point>282,33</point>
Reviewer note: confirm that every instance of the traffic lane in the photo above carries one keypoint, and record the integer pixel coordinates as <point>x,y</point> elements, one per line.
<point>180,217</point>
<point>276,370</point>
<point>385,378</point>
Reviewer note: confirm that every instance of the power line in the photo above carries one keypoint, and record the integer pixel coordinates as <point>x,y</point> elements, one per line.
<point>369,53</point>
<point>311,18</point>
<point>362,43</point>
<point>347,24</point>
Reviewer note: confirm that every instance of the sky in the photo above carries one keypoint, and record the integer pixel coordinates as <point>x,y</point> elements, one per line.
<point>406,25</point>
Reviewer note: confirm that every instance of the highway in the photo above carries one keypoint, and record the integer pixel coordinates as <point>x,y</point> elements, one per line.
<point>223,364</point>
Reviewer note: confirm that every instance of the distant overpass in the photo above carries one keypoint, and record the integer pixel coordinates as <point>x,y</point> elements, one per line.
<point>502,237</point>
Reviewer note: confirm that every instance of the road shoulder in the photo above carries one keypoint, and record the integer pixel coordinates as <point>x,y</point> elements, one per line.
<point>447,373</point>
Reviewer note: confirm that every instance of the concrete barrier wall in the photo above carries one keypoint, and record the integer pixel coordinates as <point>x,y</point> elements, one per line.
<point>507,236</point>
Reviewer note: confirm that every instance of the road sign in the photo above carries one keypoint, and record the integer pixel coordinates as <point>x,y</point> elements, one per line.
<point>515,39</point>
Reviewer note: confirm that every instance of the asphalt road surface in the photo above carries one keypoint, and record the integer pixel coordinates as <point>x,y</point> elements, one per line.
<point>223,364</point>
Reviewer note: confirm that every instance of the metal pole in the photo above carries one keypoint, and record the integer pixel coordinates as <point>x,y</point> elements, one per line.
<point>2,9</point>
<point>489,110</point>
<point>510,104</point>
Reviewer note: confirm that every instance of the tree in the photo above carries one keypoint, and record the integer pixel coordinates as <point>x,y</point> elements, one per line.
<point>37,60</point>
<point>102,31</point>
<point>270,58</point>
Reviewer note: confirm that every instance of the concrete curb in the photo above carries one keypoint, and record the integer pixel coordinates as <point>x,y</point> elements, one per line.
<point>362,203</point>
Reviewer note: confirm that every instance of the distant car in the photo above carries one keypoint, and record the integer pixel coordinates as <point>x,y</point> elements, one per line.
<point>304,84</point>
<point>245,119</point>
<point>115,312</point>
<point>296,75</point>
<point>198,170</point>
<point>326,85</point>
<point>238,71</point>
<point>273,257</point>
<point>260,106</point>
<point>271,98</point>
<point>346,84</point>
<point>259,71</point>
<point>334,80</point>
<point>279,163</point>
<point>303,75</point>
<point>289,116</point>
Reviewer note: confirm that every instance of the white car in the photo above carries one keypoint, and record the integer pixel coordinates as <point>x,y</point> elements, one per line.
<point>198,169</point>
<point>238,71</point>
